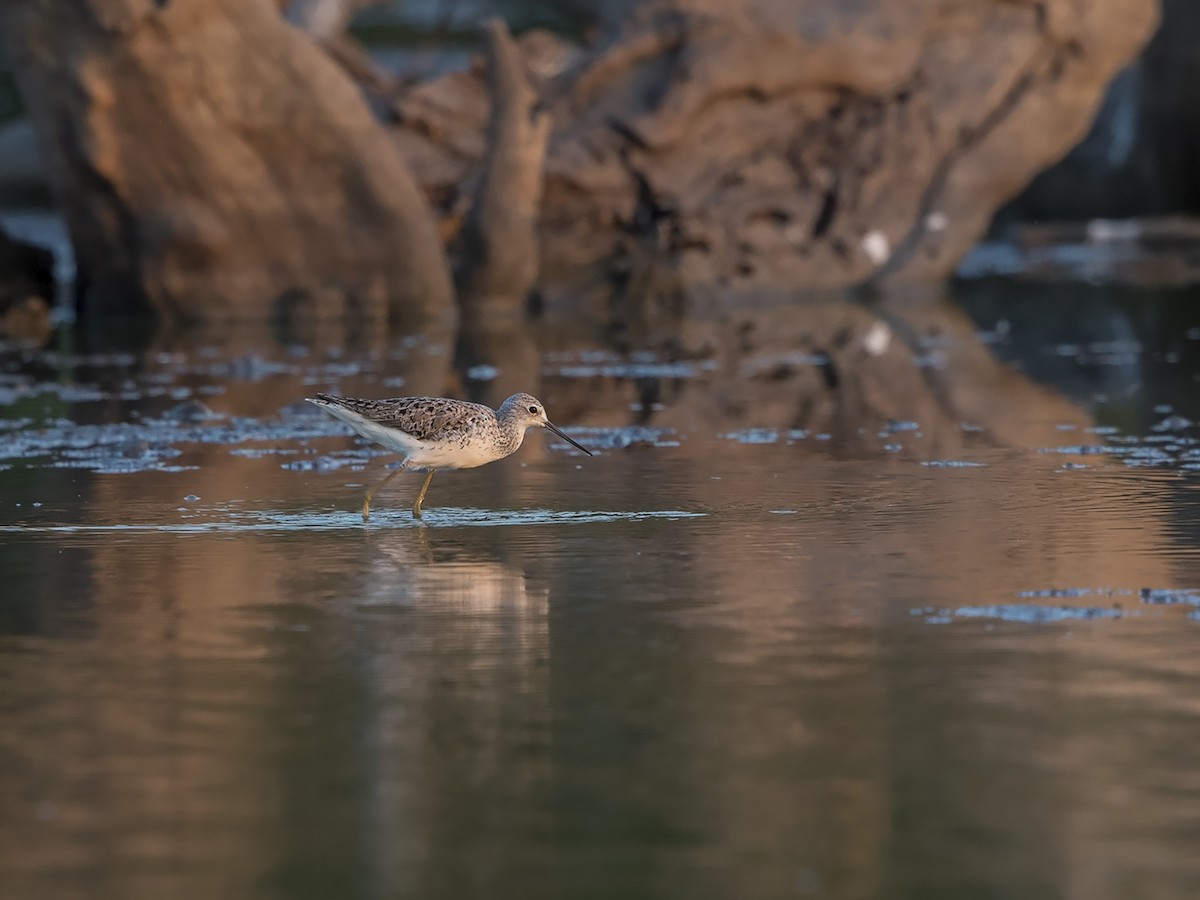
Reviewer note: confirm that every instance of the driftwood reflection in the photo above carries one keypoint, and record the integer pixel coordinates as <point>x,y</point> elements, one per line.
<point>830,365</point>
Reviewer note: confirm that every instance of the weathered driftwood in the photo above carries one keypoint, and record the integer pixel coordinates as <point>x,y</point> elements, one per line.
<point>212,161</point>
<point>497,252</point>
<point>765,144</point>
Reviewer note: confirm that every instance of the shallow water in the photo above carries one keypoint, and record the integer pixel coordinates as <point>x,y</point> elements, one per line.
<point>889,602</point>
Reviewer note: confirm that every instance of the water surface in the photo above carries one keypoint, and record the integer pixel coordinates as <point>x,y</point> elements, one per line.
<point>852,602</point>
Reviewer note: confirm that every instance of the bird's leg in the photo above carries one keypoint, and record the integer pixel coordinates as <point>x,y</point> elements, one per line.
<point>421,496</point>
<point>372,490</point>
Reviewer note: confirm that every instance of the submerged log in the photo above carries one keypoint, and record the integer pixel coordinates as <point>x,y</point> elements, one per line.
<point>212,161</point>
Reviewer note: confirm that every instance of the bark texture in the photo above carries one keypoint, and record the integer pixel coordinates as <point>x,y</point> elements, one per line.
<point>768,143</point>
<point>498,245</point>
<point>212,161</point>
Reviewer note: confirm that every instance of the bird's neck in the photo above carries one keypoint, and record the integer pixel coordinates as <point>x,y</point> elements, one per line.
<point>512,432</point>
<point>515,436</point>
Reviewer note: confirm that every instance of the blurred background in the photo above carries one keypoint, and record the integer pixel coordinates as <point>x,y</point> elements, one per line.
<point>864,147</point>
<point>880,317</point>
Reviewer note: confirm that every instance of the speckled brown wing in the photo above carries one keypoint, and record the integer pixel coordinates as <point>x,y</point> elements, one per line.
<point>422,417</point>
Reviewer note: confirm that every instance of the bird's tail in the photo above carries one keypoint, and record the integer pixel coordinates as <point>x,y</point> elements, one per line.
<point>326,400</point>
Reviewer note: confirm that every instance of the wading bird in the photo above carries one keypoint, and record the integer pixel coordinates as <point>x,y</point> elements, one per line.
<point>439,433</point>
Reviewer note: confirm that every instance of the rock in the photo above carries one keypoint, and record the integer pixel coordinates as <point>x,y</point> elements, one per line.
<point>213,163</point>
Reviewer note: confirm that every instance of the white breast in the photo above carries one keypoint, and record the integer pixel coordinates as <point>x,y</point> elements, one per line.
<point>451,456</point>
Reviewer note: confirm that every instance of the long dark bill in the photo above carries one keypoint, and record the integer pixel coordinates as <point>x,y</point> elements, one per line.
<point>568,439</point>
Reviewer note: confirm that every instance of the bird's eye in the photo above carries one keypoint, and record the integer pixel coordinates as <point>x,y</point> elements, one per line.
<point>533,409</point>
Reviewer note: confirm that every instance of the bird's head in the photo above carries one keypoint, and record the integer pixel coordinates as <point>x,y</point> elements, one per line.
<point>527,410</point>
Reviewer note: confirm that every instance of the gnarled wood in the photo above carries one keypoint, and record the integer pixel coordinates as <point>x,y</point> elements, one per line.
<point>774,145</point>
<point>497,253</point>
<point>213,162</point>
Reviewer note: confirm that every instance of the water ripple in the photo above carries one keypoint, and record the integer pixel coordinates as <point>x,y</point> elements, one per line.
<point>346,520</point>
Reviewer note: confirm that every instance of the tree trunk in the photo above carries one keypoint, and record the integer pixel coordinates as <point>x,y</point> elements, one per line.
<point>213,162</point>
